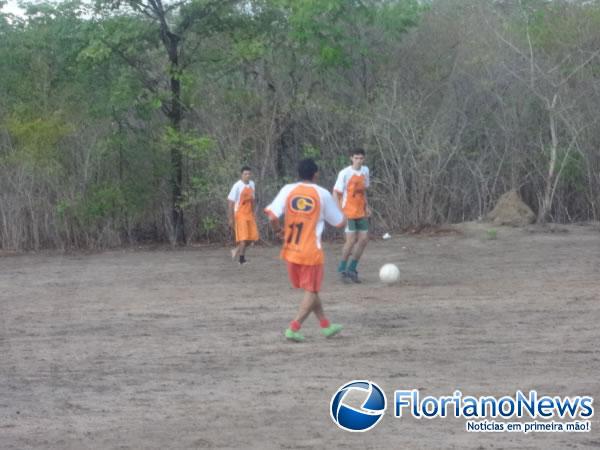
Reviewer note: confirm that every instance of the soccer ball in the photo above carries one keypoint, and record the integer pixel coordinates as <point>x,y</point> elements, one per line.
<point>389,273</point>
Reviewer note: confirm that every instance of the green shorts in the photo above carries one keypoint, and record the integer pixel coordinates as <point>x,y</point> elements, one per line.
<point>354,225</point>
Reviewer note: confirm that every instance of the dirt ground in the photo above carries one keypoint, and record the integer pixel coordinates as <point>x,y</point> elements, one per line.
<point>183,349</point>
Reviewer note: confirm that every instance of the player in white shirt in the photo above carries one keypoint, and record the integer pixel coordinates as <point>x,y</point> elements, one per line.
<point>350,191</point>
<point>306,207</point>
<point>240,214</point>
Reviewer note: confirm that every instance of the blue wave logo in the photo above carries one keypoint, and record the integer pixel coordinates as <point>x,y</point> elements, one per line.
<point>360,419</point>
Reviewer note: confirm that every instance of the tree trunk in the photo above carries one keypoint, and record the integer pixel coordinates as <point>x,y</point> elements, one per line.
<point>548,191</point>
<point>171,42</point>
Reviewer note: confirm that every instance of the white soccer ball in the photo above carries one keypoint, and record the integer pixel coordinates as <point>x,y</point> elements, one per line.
<point>389,273</point>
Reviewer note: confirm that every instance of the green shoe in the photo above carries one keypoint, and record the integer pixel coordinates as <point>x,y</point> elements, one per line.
<point>295,336</point>
<point>331,330</point>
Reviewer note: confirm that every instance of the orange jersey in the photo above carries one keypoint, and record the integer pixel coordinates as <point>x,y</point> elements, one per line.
<point>243,196</point>
<point>352,185</point>
<point>306,207</point>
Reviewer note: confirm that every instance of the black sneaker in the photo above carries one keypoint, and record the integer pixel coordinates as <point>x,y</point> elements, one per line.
<point>344,277</point>
<point>353,276</point>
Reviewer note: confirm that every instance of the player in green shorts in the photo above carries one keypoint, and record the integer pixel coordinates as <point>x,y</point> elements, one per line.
<point>350,191</point>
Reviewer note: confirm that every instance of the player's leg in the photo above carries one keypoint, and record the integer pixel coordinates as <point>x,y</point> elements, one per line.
<point>306,306</point>
<point>308,278</point>
<point>351,239</point>
<point>349,244</point>
<point>238,238</point>
<point>361,242</point>
<point>242,251</point>
<point>318,309</point>
<point>242,236</point>
<point>328,329</point>
<point>250,234</point>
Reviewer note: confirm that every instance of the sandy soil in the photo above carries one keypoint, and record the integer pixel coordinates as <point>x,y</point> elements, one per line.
<point>183,349</point>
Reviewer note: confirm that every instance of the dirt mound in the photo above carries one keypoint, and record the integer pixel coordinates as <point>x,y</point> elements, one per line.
<point>511,210</point>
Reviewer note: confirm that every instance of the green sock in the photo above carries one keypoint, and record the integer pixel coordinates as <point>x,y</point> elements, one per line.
<point>342,266</point>
<point>352,266</point>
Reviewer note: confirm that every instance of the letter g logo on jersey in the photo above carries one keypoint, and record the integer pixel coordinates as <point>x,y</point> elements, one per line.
<point>301,203</point>
<point>365,417</point>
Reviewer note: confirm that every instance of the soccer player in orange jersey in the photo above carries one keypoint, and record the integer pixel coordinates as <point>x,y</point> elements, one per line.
<point>350,191</point>
<point>240,214</point>
<point>306,207</point>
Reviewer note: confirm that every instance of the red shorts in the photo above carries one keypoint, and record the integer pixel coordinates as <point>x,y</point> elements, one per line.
<point>305,277</point>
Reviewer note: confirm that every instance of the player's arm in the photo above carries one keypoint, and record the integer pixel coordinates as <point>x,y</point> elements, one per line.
<point>368,211</point>
<point>274,222</point>
<point>230,212</point>
<point>342,223</point>
<point>332,212</point>
<point>338,198</point>
<point>338,189</point>
<point>275,210</point>
<point>231,200</point>
<point>276,226</point>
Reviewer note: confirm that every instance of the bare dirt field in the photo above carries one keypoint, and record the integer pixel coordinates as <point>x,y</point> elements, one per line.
<point>183,349</point>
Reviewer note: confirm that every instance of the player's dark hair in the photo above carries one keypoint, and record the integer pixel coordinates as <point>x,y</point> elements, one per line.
<point>244,168</point>
<point>357,151</point>
<point>307,169</point>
